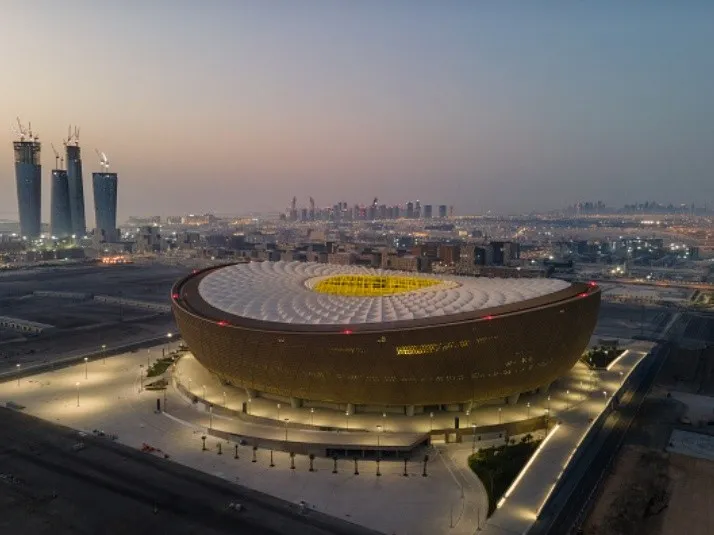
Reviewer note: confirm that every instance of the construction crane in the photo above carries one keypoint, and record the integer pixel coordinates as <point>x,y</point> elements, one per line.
<point>312,204</point>
<point>57,156</point>
<point>103,160</point>
<point>374,202</point>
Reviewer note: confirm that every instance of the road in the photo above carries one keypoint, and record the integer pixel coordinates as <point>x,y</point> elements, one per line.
<point>48,487</point>
<point>570,497</point>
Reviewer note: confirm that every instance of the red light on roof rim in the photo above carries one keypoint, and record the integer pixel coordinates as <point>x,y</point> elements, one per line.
<point>175,296</point>
<point>584,294</point>
<point>347,331</point>
<point>488,317</point>
<point>223,323</point>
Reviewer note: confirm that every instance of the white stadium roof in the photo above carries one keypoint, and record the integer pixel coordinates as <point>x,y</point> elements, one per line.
<point>281,292</point>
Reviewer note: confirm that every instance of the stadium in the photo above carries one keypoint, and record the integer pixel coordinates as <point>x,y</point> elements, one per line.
<point>362,339</point>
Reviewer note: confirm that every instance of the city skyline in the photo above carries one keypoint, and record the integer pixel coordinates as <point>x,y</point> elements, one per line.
<point>235,109</point>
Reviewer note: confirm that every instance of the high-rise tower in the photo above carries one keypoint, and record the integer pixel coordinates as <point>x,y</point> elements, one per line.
<point>75,183</point>
<point>104,185</point>
<point>28,178</point>
<point>60,220</point>
<point>60,217</point>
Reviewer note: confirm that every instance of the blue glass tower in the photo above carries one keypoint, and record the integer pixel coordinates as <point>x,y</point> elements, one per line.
<point>60,215</point>
<point>76,188</point>
<point>28,178</point>
<point>105,205</point>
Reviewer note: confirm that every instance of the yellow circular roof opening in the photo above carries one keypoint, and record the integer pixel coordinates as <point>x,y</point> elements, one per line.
<point>371,285</point>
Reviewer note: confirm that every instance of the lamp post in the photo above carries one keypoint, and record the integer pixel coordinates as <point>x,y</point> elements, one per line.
<point>278,406</point>
<point>189,385</point>
<point>468,416</point>
<point>567,400</point>
<point>18,376</point>
<point>312,415</point>
<point>473,445</point>
<point>431,424</point>
<point>379,431</point>
<point>204,391</point>
<point>347,417</point>
<point>104,354</point>
<point>86,366</point>
<point>384,419</point>
<point>148,358</point>
<point>499,415</point>
<point>548,403</point>
<point>210,416</point>
<point>286,428</point>
<point>528,408</point>
<point>247,407</point>
<point>77,385</point>
<point>622,377</point>
<point>168,342</point>
<point>225,399</point>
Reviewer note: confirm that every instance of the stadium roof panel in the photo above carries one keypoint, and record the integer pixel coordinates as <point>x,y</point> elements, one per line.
<point>302,293</point>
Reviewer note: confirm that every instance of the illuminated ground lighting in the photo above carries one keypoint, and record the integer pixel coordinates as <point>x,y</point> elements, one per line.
<point>527,466</point>
<point>371,285</point>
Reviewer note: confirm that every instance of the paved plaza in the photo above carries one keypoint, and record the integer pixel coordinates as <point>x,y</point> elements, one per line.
<point>107,395</point>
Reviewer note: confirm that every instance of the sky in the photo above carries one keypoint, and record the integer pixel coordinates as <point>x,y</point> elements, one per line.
<point>233,107</point>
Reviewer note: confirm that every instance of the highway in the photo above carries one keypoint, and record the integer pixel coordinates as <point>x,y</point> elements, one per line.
<point>567,504</point>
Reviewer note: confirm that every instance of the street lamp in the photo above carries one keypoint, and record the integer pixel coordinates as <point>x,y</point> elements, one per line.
<point>204,391</point>
<point>499,415</point>
<point>567,399</point>
<point>104,353</point>
<point>189,385</point>
<point>384,419</point>
<point>168,341</point>
<point>431,416</point>
<point>278,405</point>
<point>148,355</point>
<point>86,365</point>
<point>528,407</point>
<point>312,415</point>
<point>286,428</point>
<point>18,371</point>
<point>77,385</point>
<point>473,446</point>
<point>347,415</point>
<point>622,377</point>
<point>468,415</point>
<point>548,403</point>
<point>247,407</point>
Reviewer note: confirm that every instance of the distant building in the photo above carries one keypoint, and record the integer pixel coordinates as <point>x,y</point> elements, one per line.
<point>148,240</point>
<point>105,206</point>
<point>75,188</point>
<point>427,211</point>
<point>60,213</point>
<point>442,211</point>
<point>28,178</point>
<point>410,210</point>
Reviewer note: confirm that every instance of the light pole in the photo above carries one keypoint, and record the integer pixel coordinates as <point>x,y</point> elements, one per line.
<point>499,415</point>
<point>312,415</point>
<point>347,417</point>
<point>86,366</point>
<point>247,407</point>
<point>168,342</point>
<point>468,416</point>
<point>528,408</point>
<point>567,400</point>
<point>148,356</point>
<point>548,403</point>
<point>18,376</point>
<point>210,416</point>
<point>384,419</point>
<point>225,400</point>
<point>622,377</point>
<point>204,391</point>
<point>189,385</point>
<point>286,428</point>
<point>431,424</point>
<point>278,405</point>
<point>104,354</point>
<point>77,385</point>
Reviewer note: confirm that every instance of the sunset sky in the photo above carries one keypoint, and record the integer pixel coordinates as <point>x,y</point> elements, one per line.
<point>236,106</point>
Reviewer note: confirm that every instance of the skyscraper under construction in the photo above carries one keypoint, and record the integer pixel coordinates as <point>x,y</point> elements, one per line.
<point>104,185</point>
<point>75,184</point>
<point>28,178</point>
<point>60,215</point>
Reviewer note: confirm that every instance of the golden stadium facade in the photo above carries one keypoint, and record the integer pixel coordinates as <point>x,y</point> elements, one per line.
<point>348,335</point>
